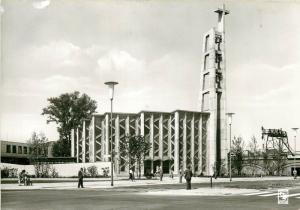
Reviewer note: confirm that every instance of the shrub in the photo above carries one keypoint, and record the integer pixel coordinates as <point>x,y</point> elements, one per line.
<point>53,172</point>
<point>4,172</point>
<point>105,171</point>
<point>41,170</point>
<point>92,171</point>
<point>7,172</point>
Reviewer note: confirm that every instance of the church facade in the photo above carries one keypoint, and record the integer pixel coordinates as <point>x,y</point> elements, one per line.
<point>179,138</point>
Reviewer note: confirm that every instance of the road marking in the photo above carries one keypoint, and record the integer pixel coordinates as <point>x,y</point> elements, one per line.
<point>293,195</point>
<point>272,194</point>
<point>258,193</point>
<point>267,195</point>
<point>298,197</point>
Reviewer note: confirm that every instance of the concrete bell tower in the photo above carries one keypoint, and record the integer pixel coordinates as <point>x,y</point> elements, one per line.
<point>213,93</point>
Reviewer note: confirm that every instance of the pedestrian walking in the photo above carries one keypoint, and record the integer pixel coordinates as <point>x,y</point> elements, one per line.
<point>180,175</point>
<point>188,177</point>
<point>295,173</point>
<point>131,175</point>
<point>80,178</point>
<point>161,173</point>
<point>171,174</point>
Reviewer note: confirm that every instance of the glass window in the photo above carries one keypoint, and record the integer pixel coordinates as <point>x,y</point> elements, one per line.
<point>206,62</point>
<point>205,81</point>
<point>19,149</point>
<point>14,149</point>
<point>25,150</point>
<point>205,102</point>
<point>8,149</point>
<point>206,42</point>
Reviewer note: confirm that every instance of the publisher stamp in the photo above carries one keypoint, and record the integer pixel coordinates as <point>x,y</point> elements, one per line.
<point>283,196</point>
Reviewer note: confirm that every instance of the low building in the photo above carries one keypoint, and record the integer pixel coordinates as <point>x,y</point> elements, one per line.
<point>19,153</point>
<point>15,152</point>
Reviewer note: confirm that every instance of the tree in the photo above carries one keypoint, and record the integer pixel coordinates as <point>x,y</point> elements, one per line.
<point>135,148</point>
<point>279,158</point>
<point>275,159</point>
<point>38,148</point>
<point>68,111</point>
<point>237,151</point>
<point>38,144</point>
<point>253,154</point>
<point>267,162</point>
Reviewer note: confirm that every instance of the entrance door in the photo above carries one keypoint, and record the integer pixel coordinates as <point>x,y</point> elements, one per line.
<point>166,166</point>
<point>147,167</point>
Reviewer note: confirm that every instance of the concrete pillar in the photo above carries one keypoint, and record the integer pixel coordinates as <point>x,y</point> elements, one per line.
<point>107,137</point>
<point>151,140</point>
<point>160,138</point>
<point>176,144</point>
<point>200,144</point>
<point>103,140</point>
<point>142,124</point>
<point>72,143</point>
<point>192,143</point>
<point>92,143</point>
<point>77,145</point>
<point>127,130</point>
<point>211,145</point>
<point>137,126</point>
<point>170,139</point>
<point>184,142</point>
<point>117,144</point>
<point>83,142</point>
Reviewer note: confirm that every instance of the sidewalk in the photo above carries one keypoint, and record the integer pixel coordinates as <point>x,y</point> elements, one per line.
<point>203,191</point>
<point>90,183</point>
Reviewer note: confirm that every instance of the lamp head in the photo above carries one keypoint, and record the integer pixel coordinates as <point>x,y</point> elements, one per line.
<point>230,114</point>
<point>111,85</point>
<point>295,131</point>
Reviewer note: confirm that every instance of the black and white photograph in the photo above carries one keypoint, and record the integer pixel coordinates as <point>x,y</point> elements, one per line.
<point>150,104</point>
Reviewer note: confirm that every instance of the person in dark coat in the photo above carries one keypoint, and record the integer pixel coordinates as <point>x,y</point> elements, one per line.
<point>188,177</point>
<point>161,173</point>
<point>80,178</point>
<point>131,175</point>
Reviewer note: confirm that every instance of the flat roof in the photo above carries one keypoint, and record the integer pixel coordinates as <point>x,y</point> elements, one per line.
<point>147,111</point>
<point>13,142</point>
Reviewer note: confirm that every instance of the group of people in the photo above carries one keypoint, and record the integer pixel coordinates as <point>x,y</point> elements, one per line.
<point>187,174</point>
<point>24,178</point>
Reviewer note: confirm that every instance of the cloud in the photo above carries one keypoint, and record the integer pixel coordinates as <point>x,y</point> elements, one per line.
<point>123,67</point>
<point>40,4</point>
<point>55,57</point>
<point>260,80</point>
<point>50,86</point>
<point>1,9</point>
<point>57,53</point>
<point>263,95</point>
<point>119,61</point>
<point>19,126</point>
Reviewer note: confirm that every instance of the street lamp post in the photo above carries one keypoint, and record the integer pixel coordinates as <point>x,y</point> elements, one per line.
<point>230,114</point>
<point>111,85</point>
<point>295,137</point>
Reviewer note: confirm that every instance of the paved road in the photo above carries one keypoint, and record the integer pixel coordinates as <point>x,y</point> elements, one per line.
<point>137,198</point>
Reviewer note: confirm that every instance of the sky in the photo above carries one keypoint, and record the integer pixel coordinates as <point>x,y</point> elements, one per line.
<point>153,48</point>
